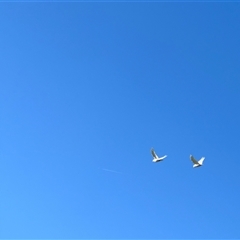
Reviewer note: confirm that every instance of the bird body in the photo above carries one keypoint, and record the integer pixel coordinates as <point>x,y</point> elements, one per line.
<point>155,156</point>
<point>197,163</point>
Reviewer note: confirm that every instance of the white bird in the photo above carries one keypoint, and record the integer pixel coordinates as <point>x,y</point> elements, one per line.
<point>197,163</point>
<point>155,156</point>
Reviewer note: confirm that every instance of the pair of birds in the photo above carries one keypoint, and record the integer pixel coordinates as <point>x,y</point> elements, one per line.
<point>195,162</point>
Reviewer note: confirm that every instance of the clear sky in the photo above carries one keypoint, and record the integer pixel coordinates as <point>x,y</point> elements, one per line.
<point>86,89</point>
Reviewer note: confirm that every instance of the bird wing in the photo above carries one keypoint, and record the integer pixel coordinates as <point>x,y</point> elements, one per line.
<point>163,157</point>
<point>201,160</point>
<point>193,160</point>
<point>154,154</point>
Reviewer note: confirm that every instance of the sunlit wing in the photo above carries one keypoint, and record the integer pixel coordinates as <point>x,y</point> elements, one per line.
<point>201,160</point>
<point>163,157</point>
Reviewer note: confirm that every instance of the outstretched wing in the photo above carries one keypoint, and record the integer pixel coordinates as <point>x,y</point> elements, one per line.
<point>163,157</point>
<point>201,160</point>
<point>154,154</point>
<point>193,160</point>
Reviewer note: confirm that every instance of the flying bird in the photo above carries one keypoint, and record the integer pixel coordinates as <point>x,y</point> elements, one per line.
<point>197,163</point>
<point>155,156</point>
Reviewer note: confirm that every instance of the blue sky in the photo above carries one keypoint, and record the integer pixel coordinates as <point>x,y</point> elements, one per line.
<point>88,88</point>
